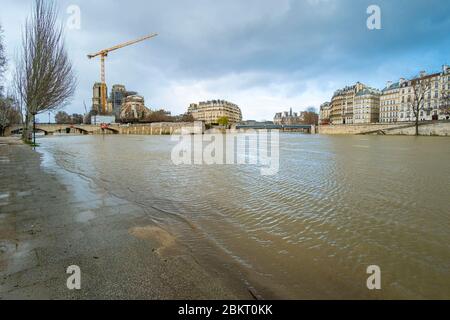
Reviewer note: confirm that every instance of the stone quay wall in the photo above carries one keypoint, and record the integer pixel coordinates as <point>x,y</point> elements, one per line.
<point>441,128</point>
<point>162,128</point>
<point>436,129</point>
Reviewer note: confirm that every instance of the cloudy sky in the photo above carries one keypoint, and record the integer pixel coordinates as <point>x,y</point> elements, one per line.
<point>265,55</point>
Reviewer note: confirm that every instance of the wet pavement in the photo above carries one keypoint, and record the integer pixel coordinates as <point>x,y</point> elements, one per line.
<point>120,250</point>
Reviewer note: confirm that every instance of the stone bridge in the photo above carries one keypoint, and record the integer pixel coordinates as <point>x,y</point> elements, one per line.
<point>165,128</point>
<point>427,128</point>
<point>49,129</point>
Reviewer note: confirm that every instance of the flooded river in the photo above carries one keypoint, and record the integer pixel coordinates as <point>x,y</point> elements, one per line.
<point>336,206</point>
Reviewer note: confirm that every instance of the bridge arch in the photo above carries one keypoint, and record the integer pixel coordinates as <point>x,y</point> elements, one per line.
<point>113,130</point>
<point>16,131</point>
<point>73,127</point>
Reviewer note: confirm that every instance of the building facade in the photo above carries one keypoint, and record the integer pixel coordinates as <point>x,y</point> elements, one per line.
<point>366,106</point>
<point>429,108</point>
<point>358,103</point>
<point>97,99</point>
<point>444,113</point>
<point>133,108</point>
<point>211,111</point>
<point>324,114</point>
<point>342,104</point>
<point>288,118</point>
<point>114,103</point>
<point>398,99</point>
<point>390,102</point>
<point>117,97</point>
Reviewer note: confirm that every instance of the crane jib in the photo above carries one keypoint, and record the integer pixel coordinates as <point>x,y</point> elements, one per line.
<point>104,53</point>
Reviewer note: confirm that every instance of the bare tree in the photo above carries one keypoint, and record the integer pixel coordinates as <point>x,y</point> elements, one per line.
<point>62,118</point>
<point>2,61</point>
<point>310,117</point>
<point>444,105</point>
<point>420,89</point>
<point>187,117</point>
<point>4,116</point>
<point>9,113</point>
<point>311,110</point>
<point>45,78</point>
<point>155,116</point>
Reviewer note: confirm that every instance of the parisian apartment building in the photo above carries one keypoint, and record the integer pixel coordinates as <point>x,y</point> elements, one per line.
<point>366,106</point>
<point>211,111</point>
<point>342,102</point>
<point>289,118</point>
<point>324,113</point>
<point>360,104</point>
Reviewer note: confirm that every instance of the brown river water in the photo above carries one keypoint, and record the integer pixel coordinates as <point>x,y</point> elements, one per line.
<point>337,205</point>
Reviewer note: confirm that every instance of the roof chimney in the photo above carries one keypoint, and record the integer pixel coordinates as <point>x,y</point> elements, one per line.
<point>388,84</point>
<point>423,74</point>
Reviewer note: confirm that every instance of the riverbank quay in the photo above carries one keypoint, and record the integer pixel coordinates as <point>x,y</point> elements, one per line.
<point>52,222</point>
<point>154,129</point>
<point>436,128</point>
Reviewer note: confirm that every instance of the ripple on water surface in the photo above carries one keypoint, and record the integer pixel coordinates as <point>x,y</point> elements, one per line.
<point>337,205</point>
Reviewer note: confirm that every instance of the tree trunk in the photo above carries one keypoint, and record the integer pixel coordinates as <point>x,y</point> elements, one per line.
<point>417,122</point>
<point>34,129</point>
<point>25,128</point>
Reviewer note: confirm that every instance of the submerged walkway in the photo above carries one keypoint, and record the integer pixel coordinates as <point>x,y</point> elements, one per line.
<point>121,252</point>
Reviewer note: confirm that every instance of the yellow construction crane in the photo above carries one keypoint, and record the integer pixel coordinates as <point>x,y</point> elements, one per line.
<point>103,54</point>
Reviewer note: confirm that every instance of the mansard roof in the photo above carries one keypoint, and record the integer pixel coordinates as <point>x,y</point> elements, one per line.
<point>393,86</point>
<point>368,90</point>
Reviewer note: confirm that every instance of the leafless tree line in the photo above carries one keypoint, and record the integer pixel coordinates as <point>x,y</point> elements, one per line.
<point>64,118</point>
<point>9,113</point>
<point>2,60</point>
<point>158,116</point>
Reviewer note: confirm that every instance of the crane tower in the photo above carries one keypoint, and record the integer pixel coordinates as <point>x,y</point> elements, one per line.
<point>103,54</point>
